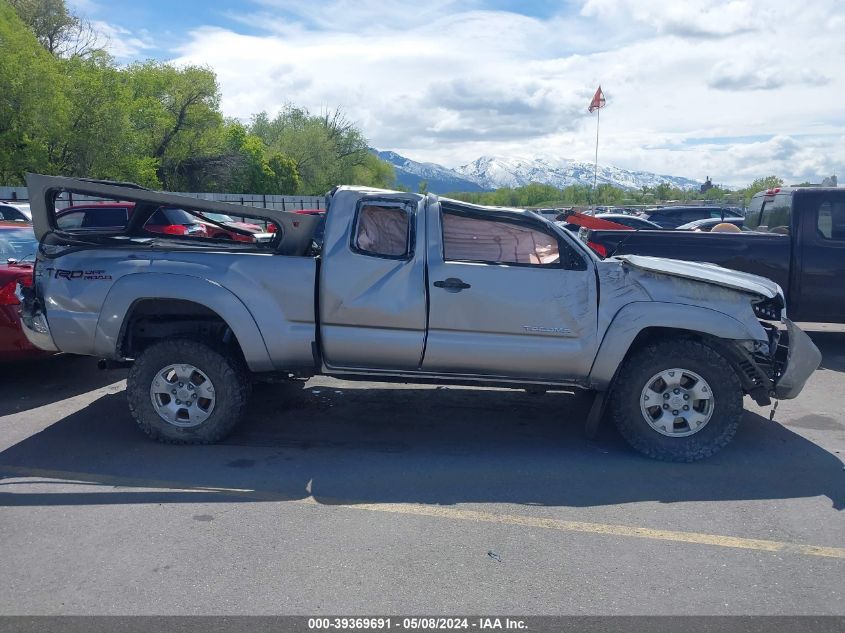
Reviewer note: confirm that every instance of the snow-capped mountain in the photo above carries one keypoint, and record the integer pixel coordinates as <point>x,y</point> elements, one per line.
<point>438,179</point>
<point>490,172</point>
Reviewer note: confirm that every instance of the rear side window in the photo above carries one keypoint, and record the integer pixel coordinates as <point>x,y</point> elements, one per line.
<point>383,230</point>
<point>107,217</point>
<point>776,215</point>
<point>831,220</point>
<point>171,215</point>
<point>691,215</point>
<point>472,239</point>
<point>72,220</point>
<point>11,214</point>
<point>752,216</point>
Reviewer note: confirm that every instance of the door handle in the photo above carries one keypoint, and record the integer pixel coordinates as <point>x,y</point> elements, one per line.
<point>452,284</point>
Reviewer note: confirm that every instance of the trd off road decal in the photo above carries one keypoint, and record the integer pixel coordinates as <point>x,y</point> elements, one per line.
<point>84,275</point>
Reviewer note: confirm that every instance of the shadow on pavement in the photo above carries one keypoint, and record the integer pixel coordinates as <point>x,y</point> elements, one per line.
<point>832,345</point>
<point>32,383</point>
<point>438,446</point>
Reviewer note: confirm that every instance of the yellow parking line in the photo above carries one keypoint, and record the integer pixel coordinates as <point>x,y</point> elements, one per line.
<point>604,528</point>
<point>444,512</point>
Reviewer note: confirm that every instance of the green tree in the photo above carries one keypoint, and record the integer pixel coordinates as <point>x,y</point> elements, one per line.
<point>371,171</point>
<point>285,179</point>
<point>98,138</point>
<point>609,195</point>
<point>327,149</point>
<point>663,191</point>
<point>176,112</point>
<point>761,184</point>
<point>32,105</point>
<point>715,193</point>
<point>58,30</point>
<point>247,169</point>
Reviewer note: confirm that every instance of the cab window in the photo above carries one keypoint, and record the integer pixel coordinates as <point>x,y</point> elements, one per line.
<point>382,230</point>
<point>776,214</point>
<point>468,238</point>
<point>831,220</point>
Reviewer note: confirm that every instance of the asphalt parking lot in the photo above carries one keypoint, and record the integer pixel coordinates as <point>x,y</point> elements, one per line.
<point>358,498</point>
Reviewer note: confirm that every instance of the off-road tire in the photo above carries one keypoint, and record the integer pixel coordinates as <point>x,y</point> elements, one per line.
<point>691,355</point>
<point>230,378</point>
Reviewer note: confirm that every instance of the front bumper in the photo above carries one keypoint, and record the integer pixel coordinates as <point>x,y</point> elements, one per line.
<point>803,358</point>
<point>34,321</point>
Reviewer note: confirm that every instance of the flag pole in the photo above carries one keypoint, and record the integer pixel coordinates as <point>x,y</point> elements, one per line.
<point>596,164</point>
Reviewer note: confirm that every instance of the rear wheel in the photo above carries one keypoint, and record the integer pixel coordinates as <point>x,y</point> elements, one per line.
<point>187,392</point>
<point>677,400</point>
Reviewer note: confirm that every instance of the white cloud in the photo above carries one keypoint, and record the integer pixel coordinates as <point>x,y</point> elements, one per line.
<point>122,43</point>
<point>447,82</point>
<point>699,19</point>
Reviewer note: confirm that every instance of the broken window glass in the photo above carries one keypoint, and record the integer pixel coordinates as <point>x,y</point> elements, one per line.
<point>467,238</point>
<point>382,231</point>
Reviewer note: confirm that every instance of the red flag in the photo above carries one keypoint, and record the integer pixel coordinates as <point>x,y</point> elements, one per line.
<point>598,101</point>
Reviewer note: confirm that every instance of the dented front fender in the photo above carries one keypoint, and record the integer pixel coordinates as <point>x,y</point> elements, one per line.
<point>638,316</point>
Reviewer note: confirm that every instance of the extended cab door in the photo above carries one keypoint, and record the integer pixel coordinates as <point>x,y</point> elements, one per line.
<point>821,255</point>
<point>372,301</point>
<point>508,297</point>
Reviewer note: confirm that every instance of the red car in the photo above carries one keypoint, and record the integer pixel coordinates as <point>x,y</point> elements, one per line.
<point>17,252</point>
<point>167,220</point>
<point>170,221</point>
<point>220,232</point>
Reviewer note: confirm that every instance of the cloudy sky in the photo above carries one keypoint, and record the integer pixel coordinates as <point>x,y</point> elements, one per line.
<point>732,89</point>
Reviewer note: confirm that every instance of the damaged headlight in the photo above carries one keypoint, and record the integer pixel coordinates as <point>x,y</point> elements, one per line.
<point>769,309</point>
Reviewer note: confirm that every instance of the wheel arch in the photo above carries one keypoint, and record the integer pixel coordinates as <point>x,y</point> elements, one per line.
<point>166,295</point>
<point>635,325</point>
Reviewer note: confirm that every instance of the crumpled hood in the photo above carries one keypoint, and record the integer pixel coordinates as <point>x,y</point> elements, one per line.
<point>707,273</point>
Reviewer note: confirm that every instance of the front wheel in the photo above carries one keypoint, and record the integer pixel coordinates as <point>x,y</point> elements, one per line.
<point>677,400</point>
<point>187,392</point>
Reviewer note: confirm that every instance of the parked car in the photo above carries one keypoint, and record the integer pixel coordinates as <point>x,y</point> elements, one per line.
<point>17,254</point>
<point>115,215</point>
<point>220,224</point>
<point>409,287</point>
<point>15,212</point>
<point>631,221</point>
<point>673,217</point>
<point>551,213</point>
<point>796,238</point>
<point>707,224</point>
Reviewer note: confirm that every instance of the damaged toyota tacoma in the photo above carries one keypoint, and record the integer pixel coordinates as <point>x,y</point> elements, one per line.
<point>407,288</point>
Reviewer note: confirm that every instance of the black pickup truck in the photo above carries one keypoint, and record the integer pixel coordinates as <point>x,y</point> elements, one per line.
<point>796,238</point>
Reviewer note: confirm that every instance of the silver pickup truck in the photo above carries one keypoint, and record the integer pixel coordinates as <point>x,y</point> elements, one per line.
<point>411,288</point>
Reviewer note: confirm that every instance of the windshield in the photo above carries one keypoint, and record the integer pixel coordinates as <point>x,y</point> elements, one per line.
<point>218,217</point>
<point>17,243</point>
